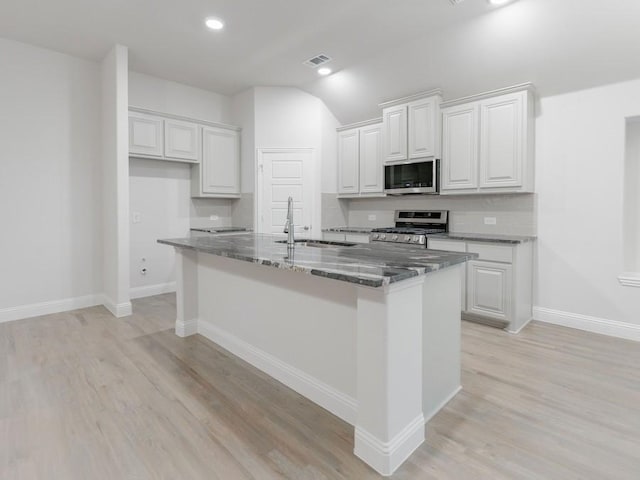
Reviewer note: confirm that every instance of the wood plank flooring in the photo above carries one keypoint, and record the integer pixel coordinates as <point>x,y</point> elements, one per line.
<point>86,396</point>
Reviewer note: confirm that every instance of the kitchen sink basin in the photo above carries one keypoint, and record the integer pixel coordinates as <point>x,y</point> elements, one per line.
<point>304,242</point>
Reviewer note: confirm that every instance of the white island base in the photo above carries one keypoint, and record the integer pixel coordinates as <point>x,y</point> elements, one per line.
<point>382,359</point>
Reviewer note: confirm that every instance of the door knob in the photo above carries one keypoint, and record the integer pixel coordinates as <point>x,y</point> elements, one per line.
<point>306,227</point>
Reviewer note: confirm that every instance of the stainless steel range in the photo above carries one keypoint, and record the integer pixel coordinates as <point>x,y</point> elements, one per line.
<point>413,226</point>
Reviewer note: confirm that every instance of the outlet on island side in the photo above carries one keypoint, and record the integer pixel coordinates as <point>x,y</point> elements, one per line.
<point>490,221</point>
<point>372,218</point>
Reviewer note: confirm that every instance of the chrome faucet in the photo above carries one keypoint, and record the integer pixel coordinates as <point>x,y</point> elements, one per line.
<point>288,226</point>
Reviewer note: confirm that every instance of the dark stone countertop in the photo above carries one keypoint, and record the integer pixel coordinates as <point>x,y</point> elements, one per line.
<point>363,230</point>
<point>484,237</point>
<point>373,265</point>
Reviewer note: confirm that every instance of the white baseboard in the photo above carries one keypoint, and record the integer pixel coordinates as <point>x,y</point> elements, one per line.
<point>588,323</point>
<point>341,405</point>
<point>151,290</point>
<point>46,308</point>
<point>186,328</point>
<point>386,457</point>
<point>117,310</point>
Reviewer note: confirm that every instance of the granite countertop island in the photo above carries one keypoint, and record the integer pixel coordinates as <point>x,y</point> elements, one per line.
<point>373,265</point>
<point>371,332</point>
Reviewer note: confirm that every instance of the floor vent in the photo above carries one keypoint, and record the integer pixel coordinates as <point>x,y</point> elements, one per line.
<point>317,60</point>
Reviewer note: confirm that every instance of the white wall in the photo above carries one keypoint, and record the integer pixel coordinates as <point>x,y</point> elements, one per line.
<point>115,181</point>
<point>50,181</point>
<point>160,190</point>
<point>290,118</point>
<point>579,179</point>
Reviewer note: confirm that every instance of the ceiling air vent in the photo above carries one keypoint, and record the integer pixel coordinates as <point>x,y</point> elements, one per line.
<point>317,60</point>
<point>455,2</point>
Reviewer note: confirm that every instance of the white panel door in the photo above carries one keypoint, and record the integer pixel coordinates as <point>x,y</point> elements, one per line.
<point>460,147</point>
<point>423,128</point>
<point>371,167</point>
<point>348,161</point>
<point>394,120</point>
<point>501,140</point>
<point>489,289</point>
<point>284,173</point>
<point>181,140</point>
<point>220,161</point>
<point>145,135</point>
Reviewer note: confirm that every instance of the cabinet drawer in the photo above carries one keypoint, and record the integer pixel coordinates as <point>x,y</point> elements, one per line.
<point>492,253</point>
<point>333,236</point>
<point>449,245</point>
<point>357,237</point>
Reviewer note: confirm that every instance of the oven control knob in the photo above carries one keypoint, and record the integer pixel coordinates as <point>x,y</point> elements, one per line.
<point>395,238</point>
<point>415,239</point>
<point>383,236</point>
<point>375,236</point>
<point>407,238</point>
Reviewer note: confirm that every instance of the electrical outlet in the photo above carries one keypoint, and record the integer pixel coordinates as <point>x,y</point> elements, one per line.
<point>136,217</point>
<point>214,217</point>
<point>490,221</point>
<point>372,218</point>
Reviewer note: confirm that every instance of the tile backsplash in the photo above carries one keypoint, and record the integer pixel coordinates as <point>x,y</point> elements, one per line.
<point>513,214</point>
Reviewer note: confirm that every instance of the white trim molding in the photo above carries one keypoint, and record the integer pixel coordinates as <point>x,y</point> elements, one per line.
<point>46,308</point>
<point>117,310</point>
<point>151,290</point>
<point>386,457</point>
<point>629,279</point>
<point>186,328</point>
<point>612,328</point>
<point>336,402</point>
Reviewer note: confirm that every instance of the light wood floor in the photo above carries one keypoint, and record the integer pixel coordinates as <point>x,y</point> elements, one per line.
<point>86,396</point>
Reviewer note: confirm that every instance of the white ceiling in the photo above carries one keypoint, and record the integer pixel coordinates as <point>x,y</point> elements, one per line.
<point>381,48</point>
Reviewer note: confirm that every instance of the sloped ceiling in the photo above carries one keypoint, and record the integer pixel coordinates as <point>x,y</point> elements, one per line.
<point>382,49</point>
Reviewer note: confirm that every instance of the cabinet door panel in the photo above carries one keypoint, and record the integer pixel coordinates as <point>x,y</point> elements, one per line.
<point>501,141</point>
<point>348,161</point>
<point>371,168</point>
<point>460,147</point>
<point>422,128</point>
<point>395,133</point>
<point>181,140</point>
<point>220,161</point>
<point>489,289</point>
<point>145,135</point>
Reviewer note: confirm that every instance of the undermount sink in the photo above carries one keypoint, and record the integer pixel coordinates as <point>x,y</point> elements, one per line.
<point>304,242</point>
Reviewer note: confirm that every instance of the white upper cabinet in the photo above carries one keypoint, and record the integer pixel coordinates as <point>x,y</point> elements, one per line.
<point>488,141</point>
<point>423,128</point>
<point>395,133</point>
<point>146,135</point>
<point>360,167</point>
<point>220,166</point>
<point>411,127</point>
<point>371,168</point>
<point>501,140</point>
<point>459,148</point>
<point>348,161</point>
<point>181,140</point>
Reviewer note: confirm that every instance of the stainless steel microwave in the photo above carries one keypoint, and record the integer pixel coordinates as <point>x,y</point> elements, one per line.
<point>421,176</point>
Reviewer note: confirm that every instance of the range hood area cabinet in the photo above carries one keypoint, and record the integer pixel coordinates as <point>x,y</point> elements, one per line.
<point>411,127</point>
<point>152,136</point>
<point>360,169</point>
<point>213,149</point>
<point>488,143</point>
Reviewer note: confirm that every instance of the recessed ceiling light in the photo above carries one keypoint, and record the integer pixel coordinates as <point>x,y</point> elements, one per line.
<point>498,2</point>
<point>324,71</point>
<point>214,23</point>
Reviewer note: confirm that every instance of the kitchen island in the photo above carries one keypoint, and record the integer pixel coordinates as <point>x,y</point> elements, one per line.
<point>369,332</point>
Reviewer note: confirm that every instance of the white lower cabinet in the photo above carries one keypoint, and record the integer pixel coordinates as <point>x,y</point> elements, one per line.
<point>489,292</point>
<point>345,237</point>
<point>497,286</point>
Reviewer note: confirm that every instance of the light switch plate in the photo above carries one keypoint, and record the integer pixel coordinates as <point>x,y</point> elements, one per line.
<point>136,217</point>
<point>490,220</point>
